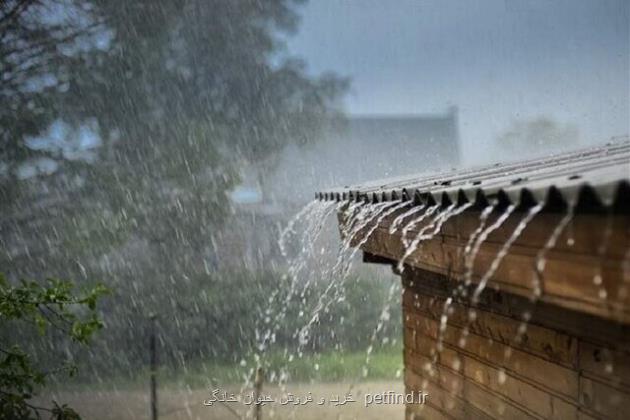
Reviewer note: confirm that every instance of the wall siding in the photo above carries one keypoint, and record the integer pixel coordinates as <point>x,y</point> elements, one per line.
<point>567,365</point>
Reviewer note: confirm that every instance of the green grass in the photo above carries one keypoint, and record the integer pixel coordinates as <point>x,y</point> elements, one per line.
<point>385,364</point>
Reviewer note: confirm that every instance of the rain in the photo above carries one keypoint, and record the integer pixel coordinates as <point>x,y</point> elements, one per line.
<point>291,209</point>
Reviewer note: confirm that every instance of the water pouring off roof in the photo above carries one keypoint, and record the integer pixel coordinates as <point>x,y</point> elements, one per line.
<point>587,178</point>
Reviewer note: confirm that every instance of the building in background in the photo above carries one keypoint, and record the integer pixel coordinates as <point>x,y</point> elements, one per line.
<point>365,147</point>
<point>368,147</point>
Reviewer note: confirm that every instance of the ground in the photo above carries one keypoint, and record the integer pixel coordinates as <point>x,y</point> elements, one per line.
<point>180,404</point>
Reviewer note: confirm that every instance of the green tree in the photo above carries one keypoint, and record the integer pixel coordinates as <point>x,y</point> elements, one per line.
<point>180,95</point>
<point>51,306</point>
<point>39,41</point>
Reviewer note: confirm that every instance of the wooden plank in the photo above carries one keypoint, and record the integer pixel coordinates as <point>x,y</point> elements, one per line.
<point>605,363</point>
<point>570,271</point>
<point>429,371</point>
<point>577,324</point>
<point>583,415</point>
<point>544,342</point>
<point>521,393</point>
<point>541,372</point>
<point>603,399</point>
<point>582,236</point>
<point>409,338</point>
<point>568,278</point>
<point>540,402</point>
<point>425,412</point>
<point>445,402</point>
<point>491,404</point>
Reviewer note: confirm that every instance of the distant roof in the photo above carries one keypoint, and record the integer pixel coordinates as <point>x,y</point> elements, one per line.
<point>432,134</point>
<point>597,176</point>
<point>366,147</point>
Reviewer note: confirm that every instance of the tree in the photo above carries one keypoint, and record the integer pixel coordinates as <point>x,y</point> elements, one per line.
<point>39,41</point>
<point>531,135</point>
<point>50,306</point>
<point>180,95</point>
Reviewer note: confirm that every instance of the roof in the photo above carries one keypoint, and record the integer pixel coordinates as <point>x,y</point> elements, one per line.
<point>585,179</point>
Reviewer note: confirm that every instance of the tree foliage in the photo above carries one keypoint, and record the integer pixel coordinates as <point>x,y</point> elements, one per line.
<point>39,42</point>
<point>530,135</point>
<point>55,306</point>
<point>147,112</point>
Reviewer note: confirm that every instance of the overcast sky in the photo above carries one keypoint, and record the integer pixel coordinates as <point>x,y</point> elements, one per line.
<point>498,61</point>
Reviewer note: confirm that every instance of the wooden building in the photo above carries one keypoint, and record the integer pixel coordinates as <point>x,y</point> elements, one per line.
<point>548,337</point>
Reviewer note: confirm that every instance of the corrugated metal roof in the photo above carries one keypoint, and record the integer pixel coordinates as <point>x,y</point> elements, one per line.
<point>587,178</point>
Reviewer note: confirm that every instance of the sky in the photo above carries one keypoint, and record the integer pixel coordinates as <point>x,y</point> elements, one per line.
<point>498,61</point>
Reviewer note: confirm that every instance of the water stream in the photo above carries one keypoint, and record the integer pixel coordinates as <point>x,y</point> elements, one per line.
<point>312,218</point>
<point>367,214</point>
<point>540,263</point>
<point>532,212</point>
<point>602,248</point>
<point>358,223</point>
<point>401,217</point>
<point>433,228</point>
<point>541,256</point>
<point>414,222</point>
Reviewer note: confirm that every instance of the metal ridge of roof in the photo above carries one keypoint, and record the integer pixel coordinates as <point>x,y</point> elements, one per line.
<point>585,179</point>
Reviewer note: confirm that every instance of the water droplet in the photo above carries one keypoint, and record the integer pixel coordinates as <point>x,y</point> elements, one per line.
<point>608,368</point>
<point>502,377</point>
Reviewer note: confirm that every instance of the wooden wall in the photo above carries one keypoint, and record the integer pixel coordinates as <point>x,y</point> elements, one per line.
<point>591,244</point>
<point>572,360</point>
<point>568,364</point>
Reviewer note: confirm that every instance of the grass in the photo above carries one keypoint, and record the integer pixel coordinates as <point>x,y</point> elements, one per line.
<point>384,364</point>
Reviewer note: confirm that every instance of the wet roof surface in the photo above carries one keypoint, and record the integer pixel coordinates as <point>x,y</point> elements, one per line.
<point>586,178</point>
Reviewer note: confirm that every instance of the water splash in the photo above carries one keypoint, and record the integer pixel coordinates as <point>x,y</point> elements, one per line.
<point>352,213</point>
<point>313,216</point>
<point>414,222</point>
<point>399,219</point>
<point>476,238</point>
<point>340,270</point>
<point>481,239</point>
<point>383,318</point>
<point>537,280</point>
<point>382,214</point>
<point>623,289</point>
<point>367,214</point>
<point>541,257</point>
<point>289,229</point>
<point>483,219</point>
<point>602,248</point>
<point>533,211</point>
<point>433,228</point>
<point>485,233</point>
